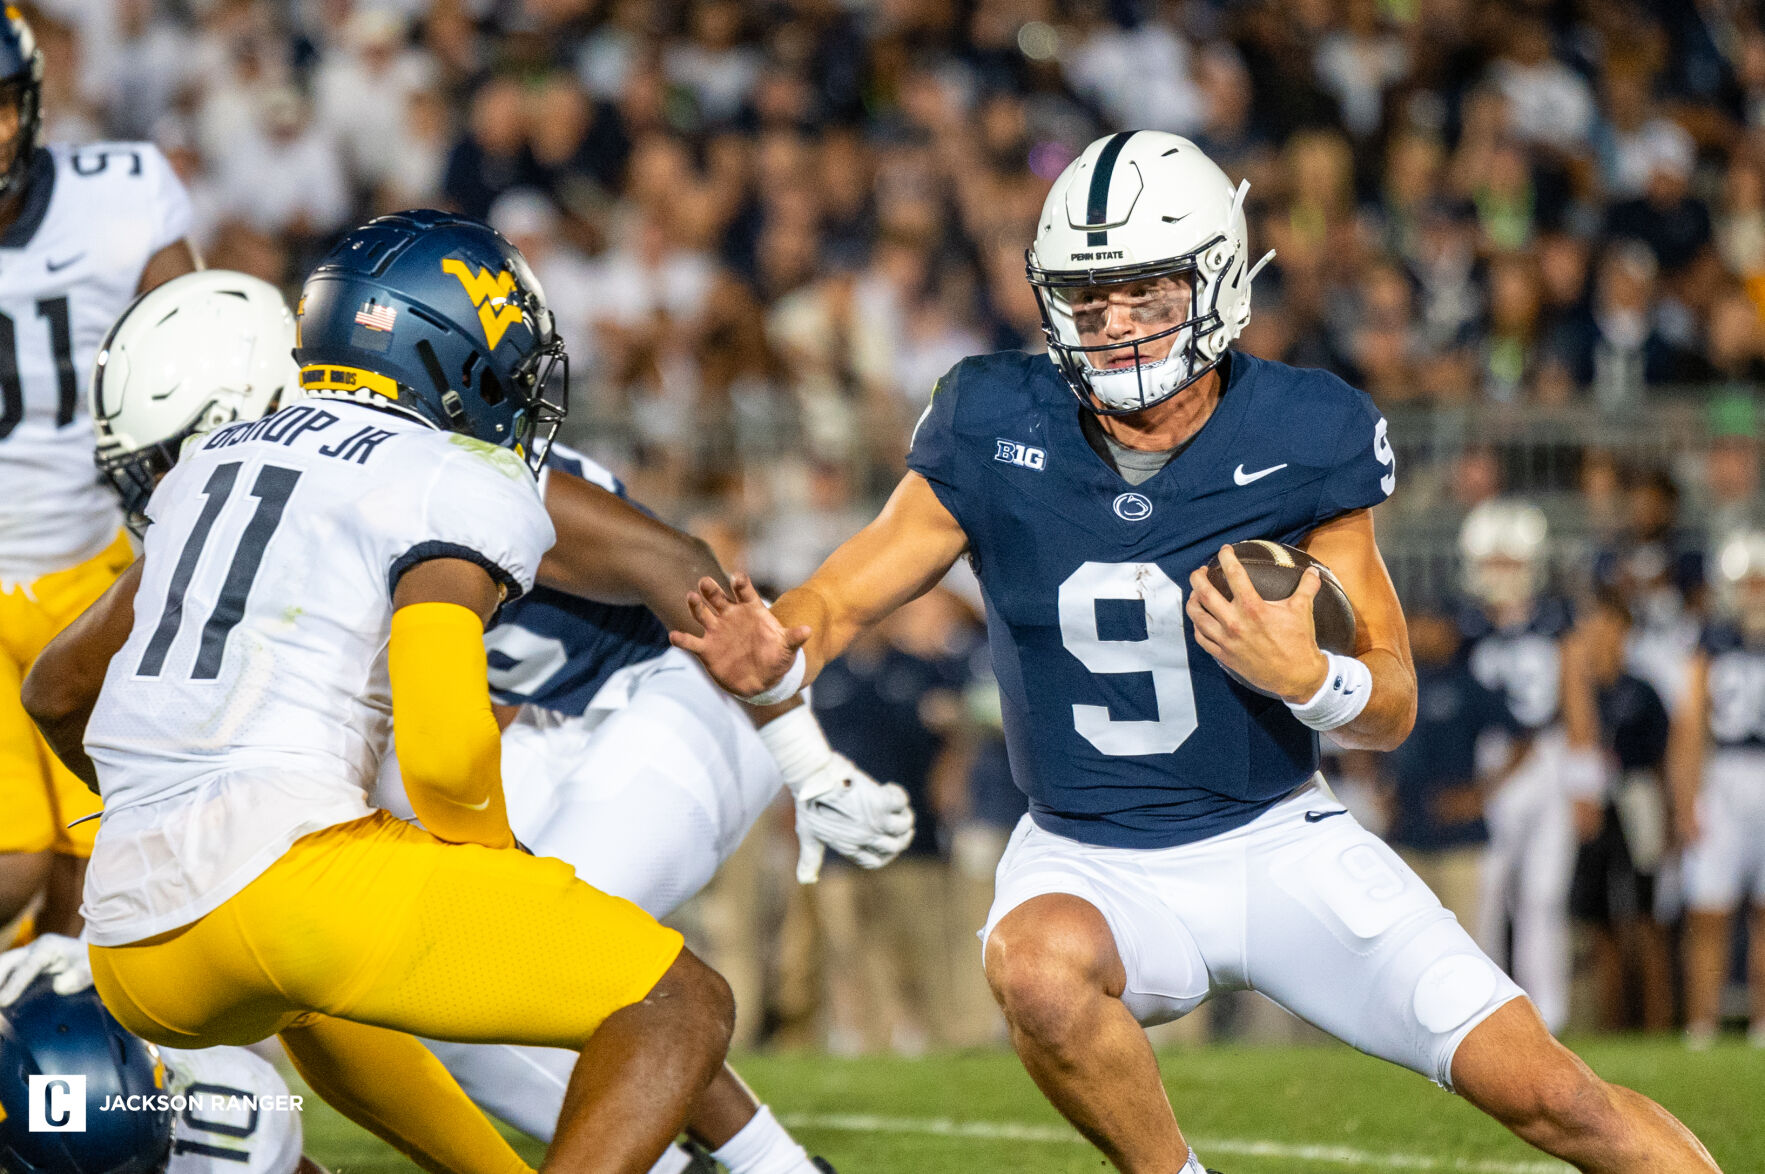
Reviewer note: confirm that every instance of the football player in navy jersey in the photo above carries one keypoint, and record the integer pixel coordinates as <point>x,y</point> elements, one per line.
<point>1179,840</point>
<point>1716,773</point>
<point>1515,635</point>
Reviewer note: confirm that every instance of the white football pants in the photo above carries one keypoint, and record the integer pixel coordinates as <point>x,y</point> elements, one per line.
<point>1526,877</point>
<point>1302,904</point>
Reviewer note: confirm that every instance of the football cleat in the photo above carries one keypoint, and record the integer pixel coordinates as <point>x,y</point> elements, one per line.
<point>822,1164</point>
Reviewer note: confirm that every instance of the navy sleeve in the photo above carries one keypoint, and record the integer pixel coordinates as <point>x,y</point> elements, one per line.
<point>1494,713</point>
<point>1364,471</point>
<point>1716,639</point>
<point>932,453</point>
<point>1648,743</point>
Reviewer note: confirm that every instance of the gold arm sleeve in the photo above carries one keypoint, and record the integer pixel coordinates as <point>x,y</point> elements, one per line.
<point>449,746</point>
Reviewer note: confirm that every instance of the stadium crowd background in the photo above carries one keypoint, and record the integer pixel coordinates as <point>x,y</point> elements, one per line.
<point>1533,231</point>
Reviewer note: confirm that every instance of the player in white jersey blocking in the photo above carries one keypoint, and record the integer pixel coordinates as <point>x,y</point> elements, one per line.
<point>198,1112</point>
<point>1716,776</point>
<point>82,230</point>
<point>626,761</point>
<point>309,577</point>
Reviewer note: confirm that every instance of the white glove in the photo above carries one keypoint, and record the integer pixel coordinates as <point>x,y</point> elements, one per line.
<point>51,953</point>
<point>838,805</point>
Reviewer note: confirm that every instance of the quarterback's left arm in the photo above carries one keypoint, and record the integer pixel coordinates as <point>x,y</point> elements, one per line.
<point>64,683</point>
<point>1272,643</point>
<point>174,260</point>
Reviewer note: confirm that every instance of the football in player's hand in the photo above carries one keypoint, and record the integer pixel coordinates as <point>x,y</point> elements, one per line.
<point>1275,571</point>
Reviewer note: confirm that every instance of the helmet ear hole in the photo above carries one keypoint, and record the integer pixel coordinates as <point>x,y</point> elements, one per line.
<point>491,388</point>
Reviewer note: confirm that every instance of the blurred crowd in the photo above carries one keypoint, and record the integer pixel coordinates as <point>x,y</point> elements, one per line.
<point>769,227</point>
<point>766,228</point>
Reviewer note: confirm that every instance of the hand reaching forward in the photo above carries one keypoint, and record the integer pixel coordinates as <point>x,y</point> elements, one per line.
<point>744,648</point>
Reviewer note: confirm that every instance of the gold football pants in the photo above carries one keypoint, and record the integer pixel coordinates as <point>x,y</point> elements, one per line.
<point>38,796</point>
<point>366,934</point>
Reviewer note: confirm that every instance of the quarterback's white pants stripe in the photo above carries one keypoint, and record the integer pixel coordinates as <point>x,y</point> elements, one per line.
<point>1336,1155</point>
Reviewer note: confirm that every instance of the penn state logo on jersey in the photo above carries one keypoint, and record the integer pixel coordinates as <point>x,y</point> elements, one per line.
<point>1121,730</point>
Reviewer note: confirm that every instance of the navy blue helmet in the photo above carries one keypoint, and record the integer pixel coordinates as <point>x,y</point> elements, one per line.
<point>439,317</point>
<point>21,83</point>
<point>46,1034</point>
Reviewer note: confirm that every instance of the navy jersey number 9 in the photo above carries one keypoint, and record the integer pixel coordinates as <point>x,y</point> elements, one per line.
<point>1162,652</point>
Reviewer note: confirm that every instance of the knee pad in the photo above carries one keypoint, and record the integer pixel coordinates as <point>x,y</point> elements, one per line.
<point>1452,987</point>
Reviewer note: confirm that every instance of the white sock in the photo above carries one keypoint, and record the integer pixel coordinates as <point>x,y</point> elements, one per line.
<point>763,1147</point>
<point>674,1159</point>
<point>1193,1165</point>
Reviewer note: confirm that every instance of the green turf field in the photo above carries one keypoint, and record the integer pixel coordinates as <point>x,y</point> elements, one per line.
<point>1247,1111</point>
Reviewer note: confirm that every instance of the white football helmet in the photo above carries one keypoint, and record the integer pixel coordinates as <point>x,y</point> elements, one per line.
<point>1740,581</point>
<point>1138,205</point>
<point>1501,545</point>
<point>200,351</point>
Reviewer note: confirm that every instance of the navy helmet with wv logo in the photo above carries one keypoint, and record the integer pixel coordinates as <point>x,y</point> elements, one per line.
<point>438,317</point>
<point>21,86</point>
<point>70,1041</point>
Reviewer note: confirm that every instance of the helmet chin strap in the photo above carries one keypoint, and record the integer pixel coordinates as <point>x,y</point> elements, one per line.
<point>1190,380</point>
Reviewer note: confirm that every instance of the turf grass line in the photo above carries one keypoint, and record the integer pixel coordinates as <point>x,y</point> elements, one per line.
<point>1234,1147</point>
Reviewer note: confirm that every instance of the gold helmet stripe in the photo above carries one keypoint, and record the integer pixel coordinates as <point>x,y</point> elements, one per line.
<point>332,377</point>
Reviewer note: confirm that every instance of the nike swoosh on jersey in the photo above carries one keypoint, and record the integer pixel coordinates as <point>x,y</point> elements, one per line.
<point>55,267</point>
<point>1316,816</point>
<point>1243,478</point>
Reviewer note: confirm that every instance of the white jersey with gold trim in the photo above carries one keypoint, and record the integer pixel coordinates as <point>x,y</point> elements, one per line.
<point>238,1115</point>
<point>250,704</point>
<point>92,217</point>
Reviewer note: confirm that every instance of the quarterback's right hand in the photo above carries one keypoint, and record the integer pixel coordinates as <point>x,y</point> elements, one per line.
<point>744,648</point>
<point>65,958</point>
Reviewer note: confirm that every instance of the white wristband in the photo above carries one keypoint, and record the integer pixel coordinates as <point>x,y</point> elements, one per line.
<point>1348,684</point>
<point>786,687</point>
<point>797,744</point>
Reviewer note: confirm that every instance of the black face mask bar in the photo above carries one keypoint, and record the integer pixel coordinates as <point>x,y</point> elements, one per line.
<point>135,475</point>
<point>548,404</point>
